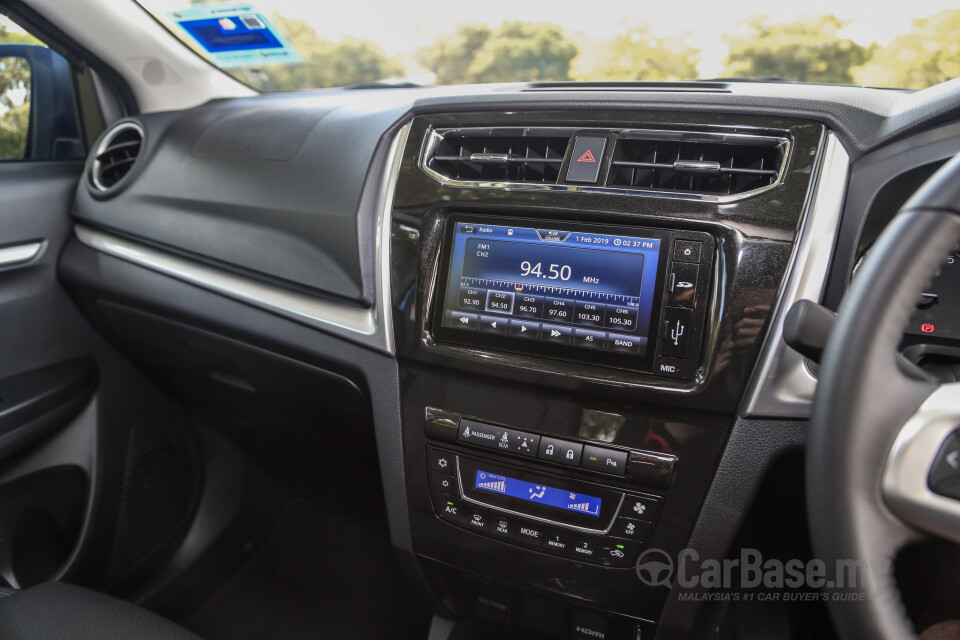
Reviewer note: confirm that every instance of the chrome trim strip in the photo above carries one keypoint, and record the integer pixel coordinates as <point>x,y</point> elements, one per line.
<point>369,327</point>
<point>435,136</point>
<point>601,532</point>
<point>782,385</point>
<point>911,458</point>
<point>19,254</point>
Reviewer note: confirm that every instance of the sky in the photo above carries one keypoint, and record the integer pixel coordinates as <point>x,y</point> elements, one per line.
<point>403,26</point>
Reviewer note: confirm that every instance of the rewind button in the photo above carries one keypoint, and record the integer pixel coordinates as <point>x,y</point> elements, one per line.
<point>525,329</point>
<point>493,324</point>
<point>460,320</point>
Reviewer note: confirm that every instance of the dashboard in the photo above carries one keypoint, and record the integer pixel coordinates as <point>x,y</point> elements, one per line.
<point>564,305</point>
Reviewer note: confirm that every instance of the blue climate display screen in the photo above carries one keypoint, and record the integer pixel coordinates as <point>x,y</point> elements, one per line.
<point>538,493</point>
<point>566,286</point>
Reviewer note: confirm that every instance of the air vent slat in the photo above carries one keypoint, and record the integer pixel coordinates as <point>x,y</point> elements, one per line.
<point>532,156</point>
<point>116,155</point>
<point>701,164</point>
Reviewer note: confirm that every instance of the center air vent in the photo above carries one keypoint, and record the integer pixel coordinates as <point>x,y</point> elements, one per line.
<point>116,155</point>
<point>524,155</point>
<point>696,163</point>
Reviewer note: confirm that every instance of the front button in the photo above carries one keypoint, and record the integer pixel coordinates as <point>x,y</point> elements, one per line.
<point>606,460</point>
<point>682,289</point>
<point>585,159</point>
<point>477,520</point>
<point>676,332</point>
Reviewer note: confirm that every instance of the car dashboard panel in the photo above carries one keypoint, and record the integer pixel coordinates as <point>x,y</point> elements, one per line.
<point>558,302</point>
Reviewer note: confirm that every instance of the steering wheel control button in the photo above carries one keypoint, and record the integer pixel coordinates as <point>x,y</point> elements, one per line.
<point>525,329</point>
<point>503,528</point>
<point>609,461</point>
<point>682,285</point>
<point>493,324</point>
<point>442,461</point>
<point>675,335</point>
<point>556,541</point>
<point>444,484</point>
<point>450,508</point>
<point>633,530</point>
<point>530,534</point>
<point>556,333</point>
<point>585,160</point>
<point>589,626</point>
<point>687,251</point>
<point>589,339</point>
<point>560,451</point>
<point>944,477</point>
<point>641,508</point>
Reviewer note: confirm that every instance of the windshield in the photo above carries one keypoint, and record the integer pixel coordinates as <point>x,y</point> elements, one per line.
<point>287,45</point>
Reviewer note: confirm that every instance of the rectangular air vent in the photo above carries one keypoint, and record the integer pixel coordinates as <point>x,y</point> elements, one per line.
<point>524,155</point>
<point>696,163</point>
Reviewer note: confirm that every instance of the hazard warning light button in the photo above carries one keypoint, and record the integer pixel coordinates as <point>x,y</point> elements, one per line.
<point>585,159</point>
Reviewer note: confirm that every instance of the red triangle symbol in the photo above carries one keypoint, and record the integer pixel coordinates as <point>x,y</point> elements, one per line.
<point>587,157</point>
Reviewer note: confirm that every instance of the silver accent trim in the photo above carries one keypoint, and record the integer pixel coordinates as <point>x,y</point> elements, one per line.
<point>19,254</point>
<point>911,458</point>
<point>434,136</point>
<point>782,385</point>
<point>554,523</point>
<point>369,327</point>
<point>104,143</point>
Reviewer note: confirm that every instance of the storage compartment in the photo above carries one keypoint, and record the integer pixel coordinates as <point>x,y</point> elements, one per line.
<point>41,518</point>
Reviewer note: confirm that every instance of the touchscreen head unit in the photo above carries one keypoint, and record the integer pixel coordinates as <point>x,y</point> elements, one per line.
<point>560,289</point>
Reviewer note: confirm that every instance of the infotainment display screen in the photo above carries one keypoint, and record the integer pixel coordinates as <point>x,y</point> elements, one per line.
<point>560,289</point>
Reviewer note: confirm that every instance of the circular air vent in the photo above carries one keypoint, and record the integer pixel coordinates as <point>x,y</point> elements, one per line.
<point>116,155</point>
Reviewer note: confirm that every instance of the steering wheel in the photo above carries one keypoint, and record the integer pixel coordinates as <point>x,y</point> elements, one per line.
<point>879,424</point>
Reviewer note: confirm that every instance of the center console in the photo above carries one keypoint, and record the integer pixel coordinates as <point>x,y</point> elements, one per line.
<point>573,346</point>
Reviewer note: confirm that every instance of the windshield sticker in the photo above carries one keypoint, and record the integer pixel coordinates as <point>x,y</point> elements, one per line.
<point>234,34</point>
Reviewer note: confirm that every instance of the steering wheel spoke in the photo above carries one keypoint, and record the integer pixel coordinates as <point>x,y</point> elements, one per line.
<point>923,467</point>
